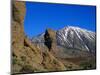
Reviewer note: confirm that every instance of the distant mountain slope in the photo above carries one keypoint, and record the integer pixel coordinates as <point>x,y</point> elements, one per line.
<point>38,39</point>
<point>75,37</point>
<point>72,37</point>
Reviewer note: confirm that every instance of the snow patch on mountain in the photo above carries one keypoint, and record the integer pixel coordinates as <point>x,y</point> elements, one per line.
<point>75,37</point>
<point>72,37</point>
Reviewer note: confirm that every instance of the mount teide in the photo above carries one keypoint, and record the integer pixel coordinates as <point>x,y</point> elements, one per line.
<point>72,38</point>
<point>75,37</point>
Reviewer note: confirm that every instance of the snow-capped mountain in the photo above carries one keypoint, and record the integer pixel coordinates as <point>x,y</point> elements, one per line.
<point>75,37</point>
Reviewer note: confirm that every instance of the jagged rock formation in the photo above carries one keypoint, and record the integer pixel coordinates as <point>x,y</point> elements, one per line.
<point>50,38</point>
<point>18,11</point>
<point>27,56</point>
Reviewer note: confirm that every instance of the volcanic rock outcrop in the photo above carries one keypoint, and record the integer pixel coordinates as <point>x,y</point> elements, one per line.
<point>28,57</point>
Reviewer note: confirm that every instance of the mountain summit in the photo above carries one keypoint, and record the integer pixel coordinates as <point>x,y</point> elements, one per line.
<point>75,37</point>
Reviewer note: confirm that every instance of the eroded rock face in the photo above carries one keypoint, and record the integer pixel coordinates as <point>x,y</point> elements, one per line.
<point>28,57</point>
<point>51,42</point>
<point>50,38</point>
<point>17,33</point>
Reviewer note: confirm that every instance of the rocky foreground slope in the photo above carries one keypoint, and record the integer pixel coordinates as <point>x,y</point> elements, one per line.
<point>28,57</point>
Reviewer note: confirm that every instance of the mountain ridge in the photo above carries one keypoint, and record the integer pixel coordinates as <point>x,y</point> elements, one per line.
<point>77,33</point>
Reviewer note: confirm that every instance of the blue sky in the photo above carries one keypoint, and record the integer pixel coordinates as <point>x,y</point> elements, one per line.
<point>40,16</point>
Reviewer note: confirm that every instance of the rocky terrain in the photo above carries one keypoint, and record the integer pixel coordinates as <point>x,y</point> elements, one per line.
<point>28,57</point>
<point>49,52</point>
